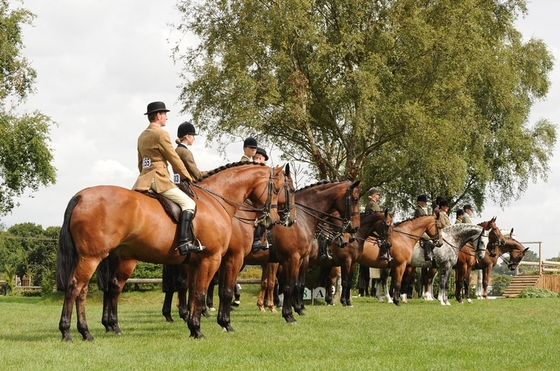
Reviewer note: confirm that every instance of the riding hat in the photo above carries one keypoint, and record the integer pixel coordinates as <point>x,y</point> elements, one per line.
<point>443,203</point>
<point>460,212</point>
<point>372,191</point>
<point>261,151</point>
<point>185,128</point>
<point>467,207</point>
<point>156,107</point>
<point>422,198</point>
<point>250,142</point>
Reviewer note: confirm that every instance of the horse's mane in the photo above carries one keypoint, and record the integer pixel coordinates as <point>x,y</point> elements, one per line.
<point>227,166</point>
<point>406,220</point>
<point>321,182</point>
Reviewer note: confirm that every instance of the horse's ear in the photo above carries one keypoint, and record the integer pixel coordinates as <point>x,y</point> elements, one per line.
<point>356,184</point>
<point>287,169</point>
<point>511,233</point>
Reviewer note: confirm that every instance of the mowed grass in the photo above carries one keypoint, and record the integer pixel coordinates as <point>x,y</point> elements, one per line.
<point>504,334</point>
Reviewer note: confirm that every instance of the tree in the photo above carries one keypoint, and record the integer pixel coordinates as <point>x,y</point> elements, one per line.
<point>25,155</point>
<point>410,96</point>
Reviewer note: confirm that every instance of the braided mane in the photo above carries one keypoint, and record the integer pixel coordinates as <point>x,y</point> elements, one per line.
<point>227,166</point>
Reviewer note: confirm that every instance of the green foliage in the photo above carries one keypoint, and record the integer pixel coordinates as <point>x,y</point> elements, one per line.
<point>31,251</point>
<point>412,97</point>
<point>533,292</point>
<point>25,155</point>
<point>500,282</point>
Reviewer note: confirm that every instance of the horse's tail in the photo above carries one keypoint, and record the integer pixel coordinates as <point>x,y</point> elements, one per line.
<point>104,274</point>
<point>324,276</point>
<point>67,257</point>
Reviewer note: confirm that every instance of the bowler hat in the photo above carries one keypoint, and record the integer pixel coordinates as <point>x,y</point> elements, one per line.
<point>261,151</point>
<point>156,107</point>
<point>422,198</point>
<point>372,191</point>
<point>250,142</point>
<point>184,129</point>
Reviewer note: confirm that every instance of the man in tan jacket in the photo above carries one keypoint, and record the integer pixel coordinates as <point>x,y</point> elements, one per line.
<point>155,151</point>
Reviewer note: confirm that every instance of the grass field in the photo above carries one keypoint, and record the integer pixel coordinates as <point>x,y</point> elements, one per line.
<point>504,334</point>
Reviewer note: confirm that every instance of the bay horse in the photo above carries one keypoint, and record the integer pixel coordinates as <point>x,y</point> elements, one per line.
<point>240,245</point>
<point>467,259</point>
<point>127,226</point>
<point>403,238</point>
<point>378,223</point>
<point>516,253</point>
<point>445,257</point>
<point>315,203</point>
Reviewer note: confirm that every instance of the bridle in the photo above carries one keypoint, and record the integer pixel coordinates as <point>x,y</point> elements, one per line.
<point>285,220</point>
<point>436,240</point>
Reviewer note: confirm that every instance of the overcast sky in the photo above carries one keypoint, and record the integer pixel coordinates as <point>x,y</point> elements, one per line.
<point>100,62</point>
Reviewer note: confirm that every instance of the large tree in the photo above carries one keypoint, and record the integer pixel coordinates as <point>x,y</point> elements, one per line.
<point>411,96</point>
<point>25,155</point>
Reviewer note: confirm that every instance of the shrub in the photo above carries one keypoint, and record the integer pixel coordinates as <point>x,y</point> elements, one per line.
<point>533,292</point>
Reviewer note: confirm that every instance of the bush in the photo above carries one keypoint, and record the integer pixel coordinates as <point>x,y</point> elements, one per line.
<point>533,292</point>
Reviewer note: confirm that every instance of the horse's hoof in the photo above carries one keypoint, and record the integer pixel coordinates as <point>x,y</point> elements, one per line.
<point>169,320</point>
<point>67,338</point>
<point>87,337</point>
<point>212,309</point>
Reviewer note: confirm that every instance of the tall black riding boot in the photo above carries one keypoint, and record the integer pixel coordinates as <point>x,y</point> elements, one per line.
<point>257,244</point>
<point>324,249</point>
<point>185,239</point>
<point>428,247</point>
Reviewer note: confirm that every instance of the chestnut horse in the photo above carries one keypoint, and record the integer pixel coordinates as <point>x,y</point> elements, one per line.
<point>467,259</point>
<point>128,226</point>
<point>372,223</point>
<point>516,253</point>
<point>240,245</point>
<point>405,235</point>
<point>292,246</point>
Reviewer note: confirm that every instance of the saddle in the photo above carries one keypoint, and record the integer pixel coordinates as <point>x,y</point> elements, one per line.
<point>171,208</point>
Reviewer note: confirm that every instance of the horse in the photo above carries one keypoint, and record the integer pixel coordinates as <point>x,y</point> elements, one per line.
<point>445,257</point>
<point>467,259</point>
<point>127,226</point>
<point>292,246</point>
<point>403,237</point>
<point>516,253</point>
<point>378,223</point>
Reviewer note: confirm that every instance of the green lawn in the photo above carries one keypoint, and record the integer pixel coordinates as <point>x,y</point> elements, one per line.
<point>504,334</point>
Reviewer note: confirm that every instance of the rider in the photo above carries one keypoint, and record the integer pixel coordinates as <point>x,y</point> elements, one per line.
<point>425,240</point>
<point>250,149</point>
<point>155,151</point>
<point>443,216</point>
<point>372,206</point>
<point>373,203</point>
<point>468,214</point>
<point>185,137</point>
<point>459,216</point>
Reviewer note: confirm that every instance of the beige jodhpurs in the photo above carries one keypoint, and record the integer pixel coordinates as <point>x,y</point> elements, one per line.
<point>179,197</point>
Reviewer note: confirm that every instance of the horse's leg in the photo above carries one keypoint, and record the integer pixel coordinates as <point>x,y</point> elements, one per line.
<point>479,284</point>
<point>485,278</point>
<point>166,309</point>
<point>290,268</point>
<point>122,272</point>
<point>75,293</point>
<point>264,285</point>
<point>347,272</point>
<point>467,284</point>
<point>272,269</point>
<point>444,270</point>
<point>229,270</point>
<point>397,274</point>
<point>459,273</point>
<point>297,303</point>
<point>199,275</point>
<point>210,294</point>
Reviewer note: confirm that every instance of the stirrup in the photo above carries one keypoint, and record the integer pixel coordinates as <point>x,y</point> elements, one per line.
<point>187,247</point>
<point>258,245</point>
<point>326,256</point>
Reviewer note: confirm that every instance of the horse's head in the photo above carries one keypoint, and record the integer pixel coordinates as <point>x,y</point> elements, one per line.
<point>480,243</point>
<point>433,230</point>
<point>495,237</point>
<point>268,182</point>
<point>516,252</point>
<point>286,200</point>
<point>352,207</point>
<point>378,224</point>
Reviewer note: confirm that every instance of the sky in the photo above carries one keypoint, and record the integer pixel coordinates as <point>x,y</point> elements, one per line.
<point>100,62</point>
